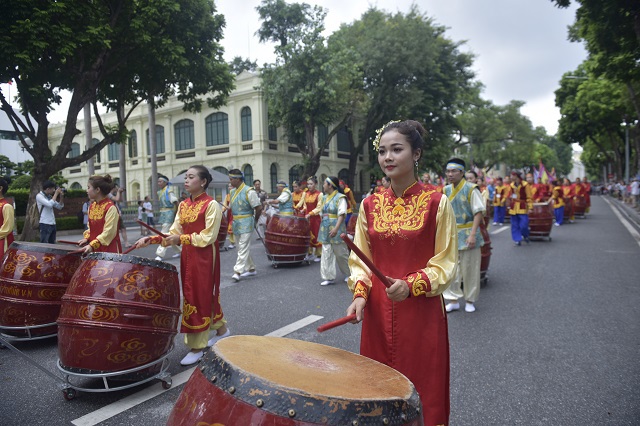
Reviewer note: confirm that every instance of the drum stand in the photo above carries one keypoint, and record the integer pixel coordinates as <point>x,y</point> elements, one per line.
<point>69,388</point>
<point>281,259</point>
<point>27,329</point>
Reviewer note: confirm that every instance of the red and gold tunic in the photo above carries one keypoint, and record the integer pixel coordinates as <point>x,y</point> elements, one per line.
<point>298,204</point>
<point>197,223</point>
<point>413,238</point>
<point>522,202</point>
<point>311,200</point>
<point>351,201</point>
<point>7,221</point>
<point>103,227</point>
<point>587,192</point>
<point>540,192</point>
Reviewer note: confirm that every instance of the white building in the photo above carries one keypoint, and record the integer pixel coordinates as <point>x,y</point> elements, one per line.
<point>10,145</point>
<point>236,135</point>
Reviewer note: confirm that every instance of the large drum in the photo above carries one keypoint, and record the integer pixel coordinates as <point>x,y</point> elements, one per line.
<point>568,208</point>
<point>287,239</point>
<point>580,206</point>
<point>33,278</point>
<point>351,226</point>
<point>541,220</point>
<point>485,251</point>
<point>254,380</point>
<point>222,233</point>
<point>120,312</point>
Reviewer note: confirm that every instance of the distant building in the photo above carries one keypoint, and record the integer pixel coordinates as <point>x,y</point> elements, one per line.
<point>10,145</point>
<point>237,135</point>
<point>577,168</point>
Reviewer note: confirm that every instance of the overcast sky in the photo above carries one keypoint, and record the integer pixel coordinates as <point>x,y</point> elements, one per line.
<point>521,46</point>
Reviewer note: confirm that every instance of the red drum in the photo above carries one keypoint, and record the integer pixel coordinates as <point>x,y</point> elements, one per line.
<point>541,220</point>
<point>222,234</point>
<point>255,380</point>
<point>33,278</point>
<point>119,312</point>
<point>485,251</point>
<point>579,206</point>
<point>568,207</point>
<point>351,226</point>
<point>287,239</point>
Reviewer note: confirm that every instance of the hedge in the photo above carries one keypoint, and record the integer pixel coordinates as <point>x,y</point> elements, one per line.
<point>62,224</point>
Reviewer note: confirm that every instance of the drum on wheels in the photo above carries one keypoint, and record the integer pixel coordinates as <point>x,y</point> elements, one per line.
<point>120,314</point>
<point>255,380</point>
<point>541,221</point>
<point>287,239</point>
<point>222,233</point>
<point>568,208</point>
<point>485,251</point>
<point>33,279</point>
<point>579,206</point>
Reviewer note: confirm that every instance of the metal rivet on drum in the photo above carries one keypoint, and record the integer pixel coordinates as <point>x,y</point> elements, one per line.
<point>292,412</point>
<point>214,379</point>
<point>354,423</point>
<point>232,389</point>
<point>259,403</point>
<point>403,417</point>
<point>385,421</point>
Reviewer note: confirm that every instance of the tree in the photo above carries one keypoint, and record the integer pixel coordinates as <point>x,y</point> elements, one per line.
<point>6,165</point>
<point>309,84</point>
<point>238,65</point>
<point>117,52</point>
<point>24,168</point>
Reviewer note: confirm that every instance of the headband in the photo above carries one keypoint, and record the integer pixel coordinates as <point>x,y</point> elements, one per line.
<point>376,141</point>
<point>233,175</point>
<point>330,182</point>
<point>163,178</point>
<point>455,166</point>
<point>282,183</point>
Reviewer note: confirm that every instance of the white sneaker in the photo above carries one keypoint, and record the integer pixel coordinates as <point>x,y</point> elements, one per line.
<point>469,307</point>
<point>346,279</point>
<point>176,255</point>
<point>248,274</point>
<point>214,339</point>
<point>327,282</point>
<point>158,258</point>
<point>556,224</point>
<point>310,257</point>
<point>192,358</point>
<point>235,277</point>
<point>452,306</point>
<point>231,246</point>
<point>317,259</point>
<point>495,223</point>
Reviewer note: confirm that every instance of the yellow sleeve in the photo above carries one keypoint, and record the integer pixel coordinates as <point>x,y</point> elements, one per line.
<point>206,237</point>
<point>318,208</point>
<point>358,270</point>
<point>9,220</point>
<point>529,197</point>
<point>110,230</point>
<point>302,204</point>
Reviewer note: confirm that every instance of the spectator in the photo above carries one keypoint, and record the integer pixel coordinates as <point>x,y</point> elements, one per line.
<point>148,209</point>
<point>85,214</point>
<point>49,198</point>
<point>142,217</point>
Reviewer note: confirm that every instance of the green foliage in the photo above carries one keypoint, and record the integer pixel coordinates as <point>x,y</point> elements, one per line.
<point>20,182</point>
<point>62,224</point>
<point>6,165</point>
<point>238,65</point>
<point>24,168</point>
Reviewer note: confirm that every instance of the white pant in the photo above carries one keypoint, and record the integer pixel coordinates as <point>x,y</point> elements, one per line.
<point>330,254</point>
<point>468,271</point>
<point>244,262</point>
<point>162,251</point>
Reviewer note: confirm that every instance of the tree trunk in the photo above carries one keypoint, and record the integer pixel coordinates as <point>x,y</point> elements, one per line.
<point>152,149</point>
<point>30,231</point>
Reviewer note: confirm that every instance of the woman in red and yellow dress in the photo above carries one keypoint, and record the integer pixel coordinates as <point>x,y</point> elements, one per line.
<point>7,219</point>
<point>310,201</point>
<point>297,196</point>
<point>569,195</point>
<point>102,229</point>
<point>409,232</point>
<point>195,228</point>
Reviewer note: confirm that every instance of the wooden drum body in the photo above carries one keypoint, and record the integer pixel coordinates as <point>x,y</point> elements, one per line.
<point>287,239</point>
<point>119,312</point>
<point>222,234</point>
<point>568,207</point>
<point>254,380</point>
<point>541,220</point>
<point>485,251</point>
<point>579,206</point>
<point>351,226</point>
<point>33,279</point>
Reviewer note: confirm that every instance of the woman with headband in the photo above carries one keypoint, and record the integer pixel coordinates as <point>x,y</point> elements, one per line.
<point>104,218</point>
<point>312,198</point>
<point>333,210</point>
<point>409,232</point>
<point>7,218</point>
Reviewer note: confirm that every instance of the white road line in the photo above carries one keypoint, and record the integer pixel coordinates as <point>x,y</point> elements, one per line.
<point>124,404</point>
<point>625,222</point>
<point>499,230</point>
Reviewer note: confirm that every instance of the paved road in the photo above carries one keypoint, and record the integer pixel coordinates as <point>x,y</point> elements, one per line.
<point>555,338</point>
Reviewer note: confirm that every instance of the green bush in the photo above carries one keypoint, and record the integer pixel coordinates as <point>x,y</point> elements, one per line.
<point>62,224</point>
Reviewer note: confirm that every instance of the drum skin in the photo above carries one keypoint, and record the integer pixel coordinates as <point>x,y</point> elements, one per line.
<point>579,206</point>
<point>119,312</point>
<point>351,226</point>
<point>287,238</point>
<point>259,380</point>
<point>541,220</point>
<point>33,278</point>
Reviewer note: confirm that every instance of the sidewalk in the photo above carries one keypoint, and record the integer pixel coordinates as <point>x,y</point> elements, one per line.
<point>633,213</point>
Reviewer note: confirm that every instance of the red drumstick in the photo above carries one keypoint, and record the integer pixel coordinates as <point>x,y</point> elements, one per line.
<point>334,324</point>
<point>366,260</point>
<point>152,229</point>
<point>129,250</point>
<point>75,243</point>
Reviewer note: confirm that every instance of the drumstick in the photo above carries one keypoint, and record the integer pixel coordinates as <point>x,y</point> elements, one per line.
<point>334,324</point>
<point>75,243</point>
<point>152,229</point>
<point>129,250</point>
<point>366,260</point>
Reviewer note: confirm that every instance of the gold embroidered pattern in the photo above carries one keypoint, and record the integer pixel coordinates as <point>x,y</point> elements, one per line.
<point>187,310</point>
<point>419,285</point>
<point>390,220</point>
<point>95,245</point>
<point>361,290</point>
<point>185,239</point>
<point>98,210</point>
<point>189,213</point>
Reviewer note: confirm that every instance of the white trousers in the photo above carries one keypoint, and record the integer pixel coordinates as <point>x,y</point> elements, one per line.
<point>330,254</point>
<point>162,251</point>
<point>244,262</point>
<point>469,272</point>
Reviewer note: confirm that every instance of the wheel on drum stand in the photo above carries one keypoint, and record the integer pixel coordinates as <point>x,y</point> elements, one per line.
<point>166,384</point>
<point>69,394</point>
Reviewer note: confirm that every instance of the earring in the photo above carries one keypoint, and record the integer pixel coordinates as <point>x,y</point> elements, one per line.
<point>416,164</point>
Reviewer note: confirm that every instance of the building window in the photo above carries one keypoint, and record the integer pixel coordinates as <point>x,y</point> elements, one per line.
<point>113,152</point>
<point>323,133</point>
<point>273,174</point>
<point>245,123</point>
<point>185,138</point>
<point>343,140</point>
<point>217,129</point>
<point>248,174</point>
<point>75,150</point>
<point>343,175</point>
<point>273,133</point>
<point>294,173</point>
<point>159,140</point>
<point>133,144</point>
<point>222,170</point>
<point>95,142</point>
<point>76,185</point>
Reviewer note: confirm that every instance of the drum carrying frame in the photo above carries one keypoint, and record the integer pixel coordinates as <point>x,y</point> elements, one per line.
<point>26,329</point>
<point>69,389</point>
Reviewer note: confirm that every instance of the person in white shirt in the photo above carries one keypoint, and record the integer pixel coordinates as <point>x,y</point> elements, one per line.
<point>148,209</point>
<point>49,198</point>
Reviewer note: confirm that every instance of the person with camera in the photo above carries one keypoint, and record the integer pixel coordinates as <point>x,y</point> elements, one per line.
<point>49,198</point>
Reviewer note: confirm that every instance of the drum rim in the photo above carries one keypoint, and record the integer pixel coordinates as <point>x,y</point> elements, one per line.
<point>128,258</point>
<point>44,248</point>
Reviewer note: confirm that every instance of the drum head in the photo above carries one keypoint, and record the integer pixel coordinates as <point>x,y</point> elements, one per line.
<point>62,249</point>
<point>127,258</point>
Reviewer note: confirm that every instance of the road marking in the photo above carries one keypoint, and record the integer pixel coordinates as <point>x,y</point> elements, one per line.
<point>131,401</point>
<point>501,229</point>
<point>625,222</point>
